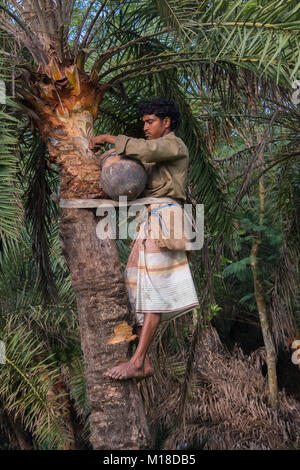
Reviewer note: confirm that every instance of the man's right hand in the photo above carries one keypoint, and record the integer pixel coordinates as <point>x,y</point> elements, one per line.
<point>101,140</point>
<point>96,141</point>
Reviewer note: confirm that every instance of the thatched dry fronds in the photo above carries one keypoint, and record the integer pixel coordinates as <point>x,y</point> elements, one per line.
<point>228,404</point>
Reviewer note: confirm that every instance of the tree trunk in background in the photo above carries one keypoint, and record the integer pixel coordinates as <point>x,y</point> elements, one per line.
<point>18,436</point>
<point>117,415</point>
<point>260,301</point>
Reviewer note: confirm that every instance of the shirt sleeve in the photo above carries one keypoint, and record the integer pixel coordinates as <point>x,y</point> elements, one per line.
<point>148,151</point>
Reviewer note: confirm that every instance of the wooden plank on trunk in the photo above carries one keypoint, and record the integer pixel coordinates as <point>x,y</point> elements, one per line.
<point>94,203</point>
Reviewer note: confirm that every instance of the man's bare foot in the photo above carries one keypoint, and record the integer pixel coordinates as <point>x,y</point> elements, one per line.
<point>132,369</point>
<point>148,369</point>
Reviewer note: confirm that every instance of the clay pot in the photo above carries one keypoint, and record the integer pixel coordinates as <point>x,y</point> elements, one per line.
<point>122,176</point>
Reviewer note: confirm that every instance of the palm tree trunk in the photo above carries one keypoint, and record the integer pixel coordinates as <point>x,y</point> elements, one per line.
<point>117,416</point>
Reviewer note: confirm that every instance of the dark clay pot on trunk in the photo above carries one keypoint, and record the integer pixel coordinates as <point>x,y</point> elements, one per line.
<point>122,176</point>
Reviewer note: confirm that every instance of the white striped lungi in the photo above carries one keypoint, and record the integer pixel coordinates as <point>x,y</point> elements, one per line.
<point>158,280</point>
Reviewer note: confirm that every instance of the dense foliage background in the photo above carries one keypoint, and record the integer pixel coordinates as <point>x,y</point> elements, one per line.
<point>229,67</point>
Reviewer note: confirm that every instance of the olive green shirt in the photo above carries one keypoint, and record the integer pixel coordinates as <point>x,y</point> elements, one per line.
<point>166,161</point>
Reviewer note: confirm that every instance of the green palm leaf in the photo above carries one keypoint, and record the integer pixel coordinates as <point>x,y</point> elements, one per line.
<point>25,383</point>
<point>10,213</point>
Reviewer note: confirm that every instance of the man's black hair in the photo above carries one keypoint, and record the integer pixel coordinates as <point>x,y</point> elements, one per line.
<point>162,108</point>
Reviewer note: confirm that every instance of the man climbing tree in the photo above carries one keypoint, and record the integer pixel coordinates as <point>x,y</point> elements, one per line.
<point>157,274</point>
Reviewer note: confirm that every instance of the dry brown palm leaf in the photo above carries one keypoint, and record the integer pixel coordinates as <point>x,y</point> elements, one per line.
<point>227,407</point>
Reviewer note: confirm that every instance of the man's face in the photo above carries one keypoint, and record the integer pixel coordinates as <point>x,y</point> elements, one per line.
<point>154,127</point>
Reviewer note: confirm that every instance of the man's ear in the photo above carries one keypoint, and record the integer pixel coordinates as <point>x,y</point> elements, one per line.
<point>167,122</point>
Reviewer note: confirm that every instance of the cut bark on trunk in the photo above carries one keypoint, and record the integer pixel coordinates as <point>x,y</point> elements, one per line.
<point>117,416</point>
<point>68,145</point>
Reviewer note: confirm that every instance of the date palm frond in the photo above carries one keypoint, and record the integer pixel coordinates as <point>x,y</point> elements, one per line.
<point>26,379</point>
<point>40,212</point>
<point>262,37</point>
<point>10,203</point>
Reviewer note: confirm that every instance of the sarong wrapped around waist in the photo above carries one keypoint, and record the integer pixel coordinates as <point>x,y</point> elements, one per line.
<point>158,279</point>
